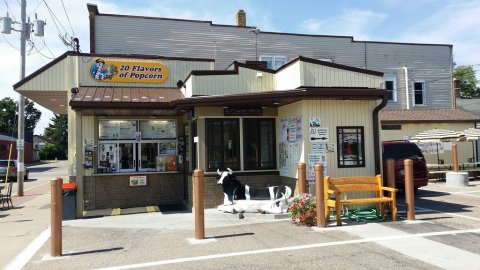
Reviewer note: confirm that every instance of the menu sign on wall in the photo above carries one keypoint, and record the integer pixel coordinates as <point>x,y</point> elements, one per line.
<point>117,129</point>
<point>158,129</point>
<point>128,72</point>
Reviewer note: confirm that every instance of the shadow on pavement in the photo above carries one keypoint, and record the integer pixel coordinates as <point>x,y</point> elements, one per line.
<point>229,235</point>
<point>92,251</point>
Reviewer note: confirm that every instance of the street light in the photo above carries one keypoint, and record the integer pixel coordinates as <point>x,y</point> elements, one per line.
<point>256,31</point>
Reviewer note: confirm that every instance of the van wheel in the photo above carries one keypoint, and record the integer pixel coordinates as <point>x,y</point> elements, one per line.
<point>415,189</point>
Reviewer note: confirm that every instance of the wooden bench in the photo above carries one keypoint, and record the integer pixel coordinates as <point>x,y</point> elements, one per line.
<point>339,186</point>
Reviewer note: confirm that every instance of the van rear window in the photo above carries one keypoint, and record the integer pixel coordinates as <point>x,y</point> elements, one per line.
<point>4,163</point>
<point>401,151</point>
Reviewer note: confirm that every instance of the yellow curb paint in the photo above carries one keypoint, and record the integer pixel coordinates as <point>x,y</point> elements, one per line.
<point>151,209</point>
<point>116,211</point>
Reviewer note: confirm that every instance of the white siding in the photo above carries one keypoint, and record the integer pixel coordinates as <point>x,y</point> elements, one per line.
<point>290,77</point>
<point>325,76</point>
<point>333,113</point>
<point>246,81</point>
<point>57,77</point>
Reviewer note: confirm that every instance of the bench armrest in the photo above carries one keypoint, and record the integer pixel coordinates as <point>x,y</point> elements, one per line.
<point>389,189</point>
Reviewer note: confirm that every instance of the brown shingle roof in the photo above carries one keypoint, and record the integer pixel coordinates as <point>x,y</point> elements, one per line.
<point>125,96</point>
<point>426,116</point>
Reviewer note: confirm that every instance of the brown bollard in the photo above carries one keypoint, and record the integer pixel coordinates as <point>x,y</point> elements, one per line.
<point>454,157</point>
<point>409,196</point>
<point>302,178</point>
<point>56,217</point>
<point>320,196</point>
<point>199,204</point>
<point>390,173</point>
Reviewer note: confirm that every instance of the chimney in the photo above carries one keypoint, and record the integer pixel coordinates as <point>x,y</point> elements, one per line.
<point>456,87</point>
<point>456,92</point>
<point>241,18</point>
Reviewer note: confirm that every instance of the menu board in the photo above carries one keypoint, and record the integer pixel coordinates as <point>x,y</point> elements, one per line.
<point>158,129</point>
<point>117,129</point>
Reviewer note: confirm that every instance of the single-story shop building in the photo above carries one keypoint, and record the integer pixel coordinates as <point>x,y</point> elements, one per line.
<point>133,120</point>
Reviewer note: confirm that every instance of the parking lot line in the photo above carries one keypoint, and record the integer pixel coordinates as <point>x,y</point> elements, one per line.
<point>292,248</point>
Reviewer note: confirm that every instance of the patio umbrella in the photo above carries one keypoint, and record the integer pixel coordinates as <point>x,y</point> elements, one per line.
<point>472,134</point>
<point>438,135</point>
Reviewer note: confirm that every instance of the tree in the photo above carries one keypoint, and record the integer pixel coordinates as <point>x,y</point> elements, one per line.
<point>468,81</point>
<point>9,116</point>
<point>57,131</point>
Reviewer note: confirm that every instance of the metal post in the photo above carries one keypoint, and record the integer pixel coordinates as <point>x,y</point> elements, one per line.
<point>391,173</point>
<point>409,196</point>
<point>21,102</point>
<point>320,196</point>
<point>302,178</point>
<point>199,204</point>
<point>454,157</point>
<point>56,217</point>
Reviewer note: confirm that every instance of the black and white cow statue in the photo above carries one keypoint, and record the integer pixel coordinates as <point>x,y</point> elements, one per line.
<point>242,198</point>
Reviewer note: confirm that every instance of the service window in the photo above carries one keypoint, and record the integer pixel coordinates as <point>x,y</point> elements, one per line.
<point>259,144</point>
<point>223,144</point>
<point>351,147</point>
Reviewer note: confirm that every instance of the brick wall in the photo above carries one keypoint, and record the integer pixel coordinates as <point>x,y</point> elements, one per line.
<point>114,191</point>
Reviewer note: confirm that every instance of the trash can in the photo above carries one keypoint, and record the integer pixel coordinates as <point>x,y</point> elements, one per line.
<point>69,191</point>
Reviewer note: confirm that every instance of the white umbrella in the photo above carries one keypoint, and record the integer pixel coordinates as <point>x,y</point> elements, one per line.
<point>472,134</point>
<point>438,135</point>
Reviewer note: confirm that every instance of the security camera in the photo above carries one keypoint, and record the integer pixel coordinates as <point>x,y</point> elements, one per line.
<point>74,90</point>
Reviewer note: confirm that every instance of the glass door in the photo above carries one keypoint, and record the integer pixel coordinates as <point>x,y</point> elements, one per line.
<point>126,157</point>
<point>148,157</point>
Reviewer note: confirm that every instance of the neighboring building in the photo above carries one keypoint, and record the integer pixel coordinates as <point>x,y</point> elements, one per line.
<point>7,143</point>
<point>133,115</point>
<point>39,142</point>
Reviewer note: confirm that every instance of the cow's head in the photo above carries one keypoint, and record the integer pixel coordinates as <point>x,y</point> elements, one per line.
<point>223,175</point>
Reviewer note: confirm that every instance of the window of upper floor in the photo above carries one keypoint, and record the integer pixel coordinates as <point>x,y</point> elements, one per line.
<point>391,86</point>
<point>419,96</point>
<point>273,62</point>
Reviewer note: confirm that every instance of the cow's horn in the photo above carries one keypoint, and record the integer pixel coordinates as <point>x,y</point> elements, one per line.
<point>218,171</point>
<point>229,171</point>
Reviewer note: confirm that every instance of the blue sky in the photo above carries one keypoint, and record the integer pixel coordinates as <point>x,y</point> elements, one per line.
<point>455,22</point>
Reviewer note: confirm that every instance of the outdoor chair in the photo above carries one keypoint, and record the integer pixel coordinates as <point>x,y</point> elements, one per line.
<point>7,198</point>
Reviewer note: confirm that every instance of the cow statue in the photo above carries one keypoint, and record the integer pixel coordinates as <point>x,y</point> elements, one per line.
<point>241,198</point>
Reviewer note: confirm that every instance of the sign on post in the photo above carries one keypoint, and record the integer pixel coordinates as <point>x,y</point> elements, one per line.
<point>20,144</point>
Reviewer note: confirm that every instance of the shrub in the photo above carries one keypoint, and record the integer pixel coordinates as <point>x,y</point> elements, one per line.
<point>302,209</point>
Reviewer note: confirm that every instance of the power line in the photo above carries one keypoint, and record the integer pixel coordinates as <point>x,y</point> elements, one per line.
<point>9,43</point>
<point>52,15</point>
<point>44,43</point>
<point>66,14</point>
<point>35,9</point>
<point>8,8</point>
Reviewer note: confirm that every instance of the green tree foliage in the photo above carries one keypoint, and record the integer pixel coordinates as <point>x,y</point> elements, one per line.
<point>468,81</point>
<point>57,131</point>
<point>9,116</point>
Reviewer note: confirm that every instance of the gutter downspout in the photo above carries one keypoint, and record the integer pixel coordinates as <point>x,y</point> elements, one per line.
<point>406,87</point>
<point>376,132</point>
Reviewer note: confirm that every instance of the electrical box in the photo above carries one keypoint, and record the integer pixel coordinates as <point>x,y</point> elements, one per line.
<point>6,25</point>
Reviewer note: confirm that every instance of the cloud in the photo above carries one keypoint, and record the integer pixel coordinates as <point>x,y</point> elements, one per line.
<point>351,22</point>
<point>456,23</point>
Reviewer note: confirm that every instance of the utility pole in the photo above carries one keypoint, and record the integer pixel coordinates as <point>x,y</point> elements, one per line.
<point>25,30</point>
<point>21,100</point>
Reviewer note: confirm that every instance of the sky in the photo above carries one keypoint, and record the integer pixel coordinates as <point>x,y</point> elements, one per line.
<point>421,21</point>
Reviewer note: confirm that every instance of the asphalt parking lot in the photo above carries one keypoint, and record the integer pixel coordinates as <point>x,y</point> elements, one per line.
<point>445,235</point>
